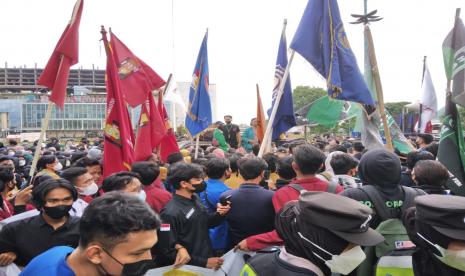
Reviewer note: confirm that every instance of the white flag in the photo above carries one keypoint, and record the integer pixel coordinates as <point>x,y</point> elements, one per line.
<point>428,100</point>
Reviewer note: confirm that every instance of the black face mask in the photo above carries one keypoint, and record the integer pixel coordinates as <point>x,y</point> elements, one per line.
<point>134,269</point>
<point>199,187</point>
<point>57,212</point>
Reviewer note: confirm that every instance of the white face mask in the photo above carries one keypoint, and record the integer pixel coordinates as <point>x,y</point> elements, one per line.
<point>452,258</point>
<point>142,195</point>
<point>343,263</point>
<point>22,163</point>
<point>58,167</point>
<point>92,189</point>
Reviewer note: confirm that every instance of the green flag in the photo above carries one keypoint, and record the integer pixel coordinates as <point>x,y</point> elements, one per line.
<point>451,144</point>
<point>329,112</point>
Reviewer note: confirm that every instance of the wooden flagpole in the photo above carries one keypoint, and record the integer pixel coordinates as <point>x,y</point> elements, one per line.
<point>45,122</point>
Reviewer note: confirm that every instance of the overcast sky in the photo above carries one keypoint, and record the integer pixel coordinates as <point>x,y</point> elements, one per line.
<point>243,40</point>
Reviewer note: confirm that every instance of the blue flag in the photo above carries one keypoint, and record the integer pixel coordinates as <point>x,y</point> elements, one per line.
<point>284,118</point>
<point>322,41</point>
<point>199,111</point>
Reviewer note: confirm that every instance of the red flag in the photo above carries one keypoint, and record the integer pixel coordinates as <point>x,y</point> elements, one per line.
<point>151,130</point>
<point>119,151</point>
<point>66,53</point>
<point>168,144</point>
<point>137,78</point>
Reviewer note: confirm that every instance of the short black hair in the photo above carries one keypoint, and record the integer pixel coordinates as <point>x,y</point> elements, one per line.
<point>183,172</point>
<point>45,160</point>
<point>284,168</point>
<point>86,162</point>
<point>431,172</point>
<point>233,159</point>
<point>118,181</point>
<point>174,158</point>
<point>342,163</point>
<point>73,173</point>
<point>295,144</point>
<point>414,156</point>
<point>427,138</point>
<point>147,171</point>
<point>338,148</point>
<point>110,218</point>
<point>256,149</point>
<point>40,191</point>
<point>5,157</point>
<point>433,148</point>
<point>251,167</point>
<point>216,167</point>
<point>271,160</point>
<point>308,158</point>
<point>76,156</point>
<point>6,175</point>
<point>13,142</point>
<point>358,146</point>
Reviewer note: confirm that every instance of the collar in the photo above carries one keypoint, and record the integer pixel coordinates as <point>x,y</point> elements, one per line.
<point>246,185</point>
<point>41,221</point>
<point>183,199</point>
<point>214,181</point>
<point>300,262</point>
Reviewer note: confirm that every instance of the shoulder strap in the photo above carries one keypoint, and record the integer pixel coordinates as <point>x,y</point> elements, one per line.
<point>378,202</point>
<point>332,186</point>
<point>297,187</point>
<point>409,197</point>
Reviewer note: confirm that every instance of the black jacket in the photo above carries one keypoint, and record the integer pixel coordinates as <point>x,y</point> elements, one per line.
<point>188,222</point>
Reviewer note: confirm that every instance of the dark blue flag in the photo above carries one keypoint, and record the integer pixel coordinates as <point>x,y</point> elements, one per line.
<point>284,118</point>
<point>322,41</point>
<point>199,111</point>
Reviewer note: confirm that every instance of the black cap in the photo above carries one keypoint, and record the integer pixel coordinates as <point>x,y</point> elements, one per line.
<point>445,213</point>
<point>343,216</point>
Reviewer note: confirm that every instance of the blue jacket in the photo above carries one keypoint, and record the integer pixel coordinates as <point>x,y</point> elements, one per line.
<point>211,197</point>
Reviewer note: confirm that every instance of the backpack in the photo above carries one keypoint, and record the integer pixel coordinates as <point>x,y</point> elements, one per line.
<point>394,256</point>
<point>332,186</point>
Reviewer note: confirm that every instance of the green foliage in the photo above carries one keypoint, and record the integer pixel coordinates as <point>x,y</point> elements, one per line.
<point>304,95</point>
<point>395,108</point>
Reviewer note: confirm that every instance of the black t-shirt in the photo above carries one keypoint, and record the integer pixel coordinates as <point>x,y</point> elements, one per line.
<point>230,132</point>
<point>33,236</point>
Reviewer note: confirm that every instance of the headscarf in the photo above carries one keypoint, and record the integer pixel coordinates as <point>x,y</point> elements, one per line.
<point>380,167</point>
<point>328,169</point>
<point>288,225</point>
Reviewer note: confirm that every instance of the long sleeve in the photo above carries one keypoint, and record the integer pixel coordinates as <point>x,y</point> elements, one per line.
<point>215,219</point>
<point>7,240</point>
<point>264,240</point>
<point>221,140</point>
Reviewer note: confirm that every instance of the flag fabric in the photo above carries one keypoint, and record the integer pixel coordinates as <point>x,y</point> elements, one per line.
<point>168,144</point>
<point>119,138</point>
<point>451,144</point>
<point>261,121</point>
<point>66,54</point>
<point>136,77</point>
<point>320,38</point>
<point>284,118</point>
<point>151,130</point>
<point>369,123</point>
<point>429,103</point>
<point>454,61</point>
<point>199,114</point>
<point>329,112</point>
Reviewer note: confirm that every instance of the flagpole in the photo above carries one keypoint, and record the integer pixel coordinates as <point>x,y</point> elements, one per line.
<point>421,105</point>
<point>379,88</point>
<point>45,121</point>
<point>197,140</point>
<point>275,106</point>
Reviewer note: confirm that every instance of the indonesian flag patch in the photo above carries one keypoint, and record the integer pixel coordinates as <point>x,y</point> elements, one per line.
<point>165,227</point>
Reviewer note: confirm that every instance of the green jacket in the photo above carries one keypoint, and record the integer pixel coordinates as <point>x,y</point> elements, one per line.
<point>219,137</point>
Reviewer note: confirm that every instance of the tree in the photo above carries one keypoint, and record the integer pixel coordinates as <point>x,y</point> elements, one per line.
<point>395,108</point>
<point>304,95</point>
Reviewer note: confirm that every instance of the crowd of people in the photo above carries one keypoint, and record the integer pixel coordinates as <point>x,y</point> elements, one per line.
<point>307,208</point>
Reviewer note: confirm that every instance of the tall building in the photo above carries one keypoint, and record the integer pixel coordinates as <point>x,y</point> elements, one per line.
<point>23,103</point>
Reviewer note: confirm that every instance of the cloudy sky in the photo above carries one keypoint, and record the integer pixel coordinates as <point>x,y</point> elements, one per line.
<point>243,40</point>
